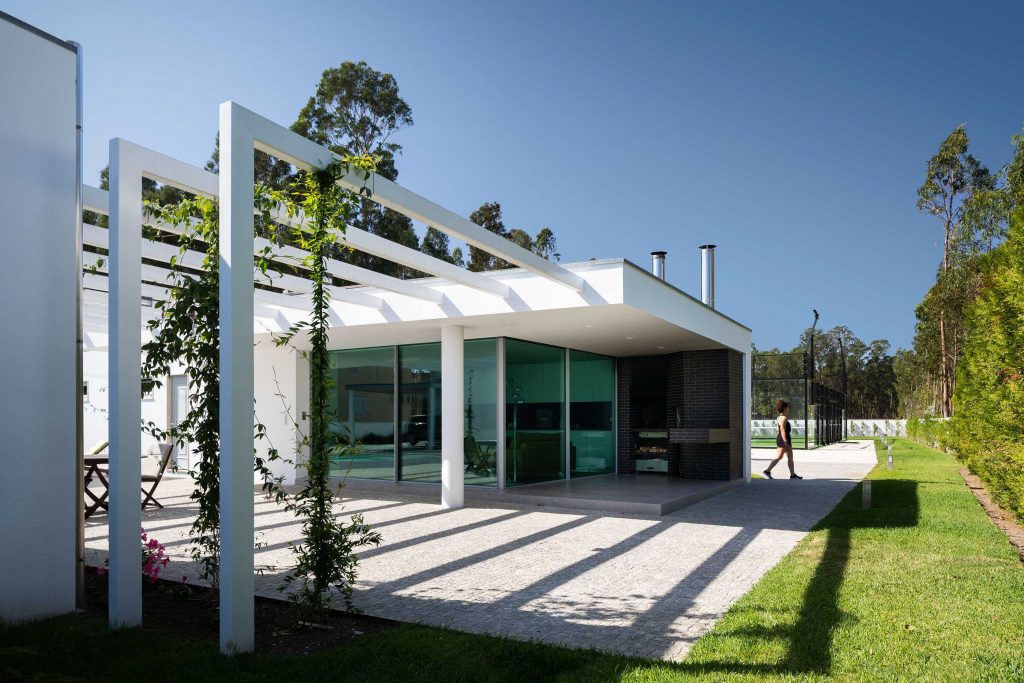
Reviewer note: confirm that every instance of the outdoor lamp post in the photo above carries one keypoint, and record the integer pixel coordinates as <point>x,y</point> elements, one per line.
<point>813,398</point>
<point>842,357</point>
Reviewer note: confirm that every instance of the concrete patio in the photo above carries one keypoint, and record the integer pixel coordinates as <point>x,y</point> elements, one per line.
<point>643,494</point>
<point>629,583</point>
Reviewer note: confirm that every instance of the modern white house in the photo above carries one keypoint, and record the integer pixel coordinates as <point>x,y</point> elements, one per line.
<point>455,385</point>
<point>634,376</point>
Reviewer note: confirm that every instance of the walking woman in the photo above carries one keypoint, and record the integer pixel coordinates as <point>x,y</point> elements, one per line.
<point>783,440</point>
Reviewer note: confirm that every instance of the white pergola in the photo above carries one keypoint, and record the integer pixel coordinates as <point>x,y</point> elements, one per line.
<point>127,282</point>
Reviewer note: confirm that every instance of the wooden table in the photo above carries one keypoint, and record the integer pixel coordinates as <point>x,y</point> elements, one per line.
<point>93,469</point>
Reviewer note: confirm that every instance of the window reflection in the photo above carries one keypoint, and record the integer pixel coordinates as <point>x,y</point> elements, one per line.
<point>363,401</point>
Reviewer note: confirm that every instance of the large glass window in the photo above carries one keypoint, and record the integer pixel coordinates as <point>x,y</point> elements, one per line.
<point>534,407</point>
<point>363,401</point>
<point>363,412</point>
<point>481,436</point>
<point>591,414</point>
<point>419,412</point>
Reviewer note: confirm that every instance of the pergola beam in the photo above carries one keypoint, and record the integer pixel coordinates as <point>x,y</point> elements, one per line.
<point>96,200</point>
<point>305,154</point>
<point>368,243</point>
<point>97,237</point>
<point>398,198</point>
<point>360,240</point>
<point>364,276</point>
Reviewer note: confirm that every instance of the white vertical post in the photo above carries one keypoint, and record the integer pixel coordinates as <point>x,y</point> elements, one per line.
<point>352,413</point>
<point>453,392</point>
<point>566,406</point>
<point>302,389</point>
<point>501,433</point>
<point>431,414</point>
<point>236,385</point>
<point>125,324</point>
<point>747,389</point>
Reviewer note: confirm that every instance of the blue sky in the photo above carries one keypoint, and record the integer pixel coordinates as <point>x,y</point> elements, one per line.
<point>793,135</point>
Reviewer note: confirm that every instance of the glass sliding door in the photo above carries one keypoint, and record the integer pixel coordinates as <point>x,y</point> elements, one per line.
<point>419,412</point>
<point>534,413</point>
<point>591,414</point>
<point>481,436</point>
<point>363,406</point>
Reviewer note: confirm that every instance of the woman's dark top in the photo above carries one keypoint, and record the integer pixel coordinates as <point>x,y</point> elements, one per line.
<point>779,441</point>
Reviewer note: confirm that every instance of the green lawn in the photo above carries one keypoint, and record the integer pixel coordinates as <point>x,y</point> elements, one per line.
<point>921,587</point>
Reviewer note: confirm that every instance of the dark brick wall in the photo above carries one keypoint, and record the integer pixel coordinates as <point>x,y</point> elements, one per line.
<point>736,417</point>
<point>706,395</point>
<point>707,389</point>
<point>628,414</point>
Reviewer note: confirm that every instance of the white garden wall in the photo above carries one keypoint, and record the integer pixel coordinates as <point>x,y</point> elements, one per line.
<point>281,390</point>
<point>883,427</point>
<point>96,418</point>
<point>38,280</point>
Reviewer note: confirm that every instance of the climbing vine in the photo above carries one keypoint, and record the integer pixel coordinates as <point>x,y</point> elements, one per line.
<point>326,560</point>
<point>186,333</point>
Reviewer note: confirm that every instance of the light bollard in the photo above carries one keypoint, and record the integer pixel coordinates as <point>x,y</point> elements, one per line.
<point>890,456</point>
<point>865,497</point>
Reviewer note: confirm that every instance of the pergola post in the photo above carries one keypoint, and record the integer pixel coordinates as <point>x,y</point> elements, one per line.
<point>125,322</point>
<point>452,417</point>
<point>237,175</point>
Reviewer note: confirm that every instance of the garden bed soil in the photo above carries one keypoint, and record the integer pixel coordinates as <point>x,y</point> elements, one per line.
<point>176,611</point>
<point>1003,519</point>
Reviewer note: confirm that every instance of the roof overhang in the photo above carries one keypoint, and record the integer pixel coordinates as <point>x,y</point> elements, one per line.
<point>622,310</point>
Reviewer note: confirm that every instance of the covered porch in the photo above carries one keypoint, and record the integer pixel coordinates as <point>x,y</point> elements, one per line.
<point>640,494</point>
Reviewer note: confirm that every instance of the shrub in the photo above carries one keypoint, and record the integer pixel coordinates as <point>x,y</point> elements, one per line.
<point>988,427</point>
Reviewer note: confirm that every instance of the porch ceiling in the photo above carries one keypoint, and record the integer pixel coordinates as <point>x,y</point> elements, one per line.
<point>613,330</point>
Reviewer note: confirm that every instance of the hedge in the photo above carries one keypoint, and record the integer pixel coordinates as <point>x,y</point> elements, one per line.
<point>987,430</point>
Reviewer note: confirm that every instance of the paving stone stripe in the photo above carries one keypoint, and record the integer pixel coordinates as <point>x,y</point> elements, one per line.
<point>631,584</point>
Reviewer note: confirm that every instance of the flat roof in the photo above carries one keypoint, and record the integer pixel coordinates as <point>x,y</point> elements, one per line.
<point>67,44</point>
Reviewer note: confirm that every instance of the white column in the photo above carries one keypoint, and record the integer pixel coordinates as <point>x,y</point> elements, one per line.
<point>236,385</point>
<point>453,408</point>
<point>125,517</point>
<point>747,388</point>
<point>302,389</point>
<point>352,412</point>
<point>431,415</point>
<point>502,431</point>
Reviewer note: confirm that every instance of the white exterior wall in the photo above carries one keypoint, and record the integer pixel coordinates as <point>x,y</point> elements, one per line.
<point>281,387</point>
<point>95,410</point>
<point>38,190</point>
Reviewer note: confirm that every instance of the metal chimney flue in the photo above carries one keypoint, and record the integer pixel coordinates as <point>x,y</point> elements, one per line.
<point>658,264</point>
<point>707,274</point>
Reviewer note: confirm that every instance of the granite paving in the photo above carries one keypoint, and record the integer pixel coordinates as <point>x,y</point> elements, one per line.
<point>626,583</point>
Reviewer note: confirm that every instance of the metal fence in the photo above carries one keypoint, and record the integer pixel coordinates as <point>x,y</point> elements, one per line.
<point>815,410</point>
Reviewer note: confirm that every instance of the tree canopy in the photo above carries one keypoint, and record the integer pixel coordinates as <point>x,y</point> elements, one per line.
<point>870,378</point>
<point>356,109</point>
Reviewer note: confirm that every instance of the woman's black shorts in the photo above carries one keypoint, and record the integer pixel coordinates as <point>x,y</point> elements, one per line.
<point>780,442</point>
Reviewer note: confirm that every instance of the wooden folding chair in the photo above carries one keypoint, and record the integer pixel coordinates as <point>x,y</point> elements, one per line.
<point>163,451</point>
